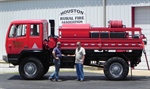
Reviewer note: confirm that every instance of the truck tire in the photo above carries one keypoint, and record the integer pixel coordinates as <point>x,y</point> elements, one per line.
<point>116,68</point>
<point>31,68</point>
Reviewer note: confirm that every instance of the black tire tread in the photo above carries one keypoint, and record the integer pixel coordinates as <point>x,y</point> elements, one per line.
<point>40,68</point>
<point>119,60</point>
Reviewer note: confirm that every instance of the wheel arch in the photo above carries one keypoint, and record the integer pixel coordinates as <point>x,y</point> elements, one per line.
<point>123,56</point>
<point>31,53</point>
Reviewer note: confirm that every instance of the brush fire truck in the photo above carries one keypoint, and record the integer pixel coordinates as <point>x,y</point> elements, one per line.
<point>115,48</point>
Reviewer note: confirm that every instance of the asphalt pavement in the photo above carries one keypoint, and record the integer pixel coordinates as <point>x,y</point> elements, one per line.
<point>94,79</point>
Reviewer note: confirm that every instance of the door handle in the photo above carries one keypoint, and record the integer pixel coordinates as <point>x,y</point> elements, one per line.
<point>9,45</point>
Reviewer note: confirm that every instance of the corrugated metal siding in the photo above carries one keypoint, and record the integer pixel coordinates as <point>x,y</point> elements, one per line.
<point>46,9</point>
<point>120,12</point>
<point>121,9</point>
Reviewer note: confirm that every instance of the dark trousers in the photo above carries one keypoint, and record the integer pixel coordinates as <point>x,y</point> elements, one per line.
<point>55,74</point>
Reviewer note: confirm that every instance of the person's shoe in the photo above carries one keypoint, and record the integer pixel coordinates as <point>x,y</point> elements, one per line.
<point>77,79</point>
<point>58,80</point>
<point>81,80</point>
<point>51,79</point>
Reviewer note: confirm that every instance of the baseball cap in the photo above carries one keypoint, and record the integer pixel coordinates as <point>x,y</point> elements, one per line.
<point>58,43</point>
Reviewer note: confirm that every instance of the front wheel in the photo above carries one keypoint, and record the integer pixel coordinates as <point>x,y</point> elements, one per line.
<point>116,68</point>
<point>31,68</point>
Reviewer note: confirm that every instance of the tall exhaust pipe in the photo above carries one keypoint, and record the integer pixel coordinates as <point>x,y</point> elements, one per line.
<point>52,26</point>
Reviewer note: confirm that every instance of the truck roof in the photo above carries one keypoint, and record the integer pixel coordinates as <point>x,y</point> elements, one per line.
<point>29,21</point>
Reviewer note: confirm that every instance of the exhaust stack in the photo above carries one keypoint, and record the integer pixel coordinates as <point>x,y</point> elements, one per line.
<point>52,26</point>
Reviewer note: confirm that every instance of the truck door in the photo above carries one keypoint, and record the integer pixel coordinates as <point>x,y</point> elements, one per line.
<point>35,38</point>
<point>21,38</point>
<point>16,40</point>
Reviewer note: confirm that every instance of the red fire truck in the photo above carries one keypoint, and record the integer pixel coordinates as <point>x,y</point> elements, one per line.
<point>115,48</point>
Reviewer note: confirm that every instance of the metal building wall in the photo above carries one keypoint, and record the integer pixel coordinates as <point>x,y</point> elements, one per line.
<point>46,9</point>
<point>121,10</point>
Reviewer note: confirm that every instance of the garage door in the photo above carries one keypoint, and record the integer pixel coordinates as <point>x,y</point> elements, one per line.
<point>142,19</point>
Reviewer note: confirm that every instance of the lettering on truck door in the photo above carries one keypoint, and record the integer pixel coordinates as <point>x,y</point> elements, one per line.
<point>21,37</point>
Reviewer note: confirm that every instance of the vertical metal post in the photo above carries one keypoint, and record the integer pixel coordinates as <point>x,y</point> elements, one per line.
<point>104,13</point>
<point>146,59</point>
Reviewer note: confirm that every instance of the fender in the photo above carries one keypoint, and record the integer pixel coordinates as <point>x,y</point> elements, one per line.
<point>16,58</point>
<point>30,52</point>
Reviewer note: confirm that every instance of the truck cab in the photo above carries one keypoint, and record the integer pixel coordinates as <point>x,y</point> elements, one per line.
<point>25,35</point>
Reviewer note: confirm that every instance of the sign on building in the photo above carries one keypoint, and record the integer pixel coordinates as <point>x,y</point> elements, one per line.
<point>71,16</point>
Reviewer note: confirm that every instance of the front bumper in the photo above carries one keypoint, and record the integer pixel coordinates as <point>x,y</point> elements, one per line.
<point>5,58</point>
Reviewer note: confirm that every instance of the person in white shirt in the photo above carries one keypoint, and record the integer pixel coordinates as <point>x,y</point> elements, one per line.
<point>79,61</point>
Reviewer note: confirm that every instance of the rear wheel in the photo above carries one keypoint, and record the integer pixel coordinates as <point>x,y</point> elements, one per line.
<point>31,68</point>
<point>116,68</point>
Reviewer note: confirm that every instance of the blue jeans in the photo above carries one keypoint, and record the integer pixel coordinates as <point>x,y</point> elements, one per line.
<point>55,74</point>
<point>79,71</point>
